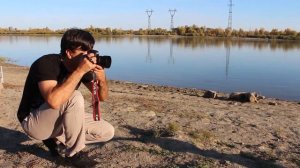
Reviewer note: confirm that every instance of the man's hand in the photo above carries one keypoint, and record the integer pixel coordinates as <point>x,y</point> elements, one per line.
<point>86,65</point>
<point>101,78</point>
<point>100,73</point>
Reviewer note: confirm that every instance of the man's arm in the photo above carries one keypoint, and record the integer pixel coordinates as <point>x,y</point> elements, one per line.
<point>57,94</point>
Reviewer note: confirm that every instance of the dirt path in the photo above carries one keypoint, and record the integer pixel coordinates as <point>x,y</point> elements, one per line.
<point>166,127</point>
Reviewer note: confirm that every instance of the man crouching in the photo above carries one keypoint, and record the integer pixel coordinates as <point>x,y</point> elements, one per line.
<point>52,109</point>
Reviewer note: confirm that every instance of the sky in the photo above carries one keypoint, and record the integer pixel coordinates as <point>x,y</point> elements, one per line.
<point>131,14</point>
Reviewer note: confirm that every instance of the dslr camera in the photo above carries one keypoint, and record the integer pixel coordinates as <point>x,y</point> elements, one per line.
<point>103,60</point>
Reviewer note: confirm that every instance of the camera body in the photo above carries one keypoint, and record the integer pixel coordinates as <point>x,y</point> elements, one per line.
<point>104,61</point>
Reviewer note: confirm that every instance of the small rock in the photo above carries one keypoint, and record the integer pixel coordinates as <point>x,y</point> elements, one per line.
<point>210,94</point>
<point>261,97</point>
<point>130,109</point>
<point>234,103</point>
<point>205,121</point>
<point>223,162</point>
<point>143,86</point>
<point>148,113</point>
<point>197,94</point>
<point>273,103</point>
<point>248,146</point>
<point>262,148</point>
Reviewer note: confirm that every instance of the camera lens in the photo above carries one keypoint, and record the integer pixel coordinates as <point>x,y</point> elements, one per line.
<point>104,61</point>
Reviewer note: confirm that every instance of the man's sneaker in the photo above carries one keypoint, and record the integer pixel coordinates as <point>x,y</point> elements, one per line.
<point>51,145</point>
<point>80,159</point>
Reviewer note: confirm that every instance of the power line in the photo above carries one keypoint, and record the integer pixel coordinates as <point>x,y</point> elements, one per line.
<point>149,13</point>
<point>172,13</point>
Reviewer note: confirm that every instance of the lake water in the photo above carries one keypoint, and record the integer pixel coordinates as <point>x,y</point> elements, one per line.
<point>269,68</point>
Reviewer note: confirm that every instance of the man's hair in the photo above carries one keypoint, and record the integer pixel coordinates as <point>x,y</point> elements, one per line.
<point>74,38</point>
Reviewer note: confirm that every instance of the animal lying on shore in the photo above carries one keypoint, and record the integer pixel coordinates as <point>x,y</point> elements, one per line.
<point>252,97</point>
<point>245,97</point>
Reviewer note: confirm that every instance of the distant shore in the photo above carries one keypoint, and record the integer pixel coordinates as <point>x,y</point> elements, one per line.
<point>189,31</point>
<point>165,36</point>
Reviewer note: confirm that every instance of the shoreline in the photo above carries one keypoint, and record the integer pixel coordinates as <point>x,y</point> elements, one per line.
<point>250,38</point>
<point>166,88</point>
<point>262,39</point>
<point>191,91</point>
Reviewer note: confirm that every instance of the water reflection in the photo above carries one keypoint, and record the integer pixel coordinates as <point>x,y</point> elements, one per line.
<point>148,57</point>
<point>227,60</point>
<point>250,65</point>
<point>30,39</point>
<point>227,45</point>
<point>171,59</point>
<point>269,67</point>
<point>185,42</point>
<point>193,42</point>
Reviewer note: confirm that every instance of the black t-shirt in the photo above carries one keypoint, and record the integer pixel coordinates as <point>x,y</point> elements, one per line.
<point>47,67</point>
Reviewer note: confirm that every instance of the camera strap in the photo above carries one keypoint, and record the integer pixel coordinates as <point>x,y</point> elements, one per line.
<point>95,99</point>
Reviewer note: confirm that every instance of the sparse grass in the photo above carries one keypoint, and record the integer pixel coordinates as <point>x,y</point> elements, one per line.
<point>228,144</point>
<point>170,130</point>
<point>203,163</point>
<point>278,133</point>
<point>206,163</point>
<point>151,151</point>
<point>5,59</point>
<point>202,136</point>
<point>269,155</point>
<point>173,127</point>
<point>159,152</point>
<point>296,161</point>
<point>195,134</point>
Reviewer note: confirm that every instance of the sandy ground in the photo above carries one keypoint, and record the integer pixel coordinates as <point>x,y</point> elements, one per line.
<point>159,126</point>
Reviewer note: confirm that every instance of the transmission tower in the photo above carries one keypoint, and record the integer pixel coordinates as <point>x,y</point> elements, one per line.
<point>172,13</point>
<point>149,13</point>
<point>230,15</point>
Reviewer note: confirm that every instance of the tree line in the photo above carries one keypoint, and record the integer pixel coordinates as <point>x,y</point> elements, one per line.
<point>194,30</point>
